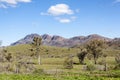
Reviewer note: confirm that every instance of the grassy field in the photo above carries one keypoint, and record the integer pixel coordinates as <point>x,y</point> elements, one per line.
<point>68,76</point>
<point>52,67</point>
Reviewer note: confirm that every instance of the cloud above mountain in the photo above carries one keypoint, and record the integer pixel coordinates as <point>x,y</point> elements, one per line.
<point>66,20</point>
<point>60,11</point>
<point>12,3</point>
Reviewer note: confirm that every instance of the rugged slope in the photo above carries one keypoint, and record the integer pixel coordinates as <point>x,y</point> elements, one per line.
<point>60,41</point>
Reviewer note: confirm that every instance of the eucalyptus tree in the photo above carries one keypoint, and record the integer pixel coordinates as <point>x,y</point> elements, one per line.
<point>95,47</point>
<point>81,56</point>
<point>36,44</point>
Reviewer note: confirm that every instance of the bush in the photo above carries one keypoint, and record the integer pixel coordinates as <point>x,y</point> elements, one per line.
<point>81,56</point>
<point>101,62</point>
<point>89,56</point>
<point>8,57</point>
<point>117,58</point>
<point>114,74</point>
<point>38,71</point>
<point>117,67</point>
<point>90,67</point>
<point>68,63</point>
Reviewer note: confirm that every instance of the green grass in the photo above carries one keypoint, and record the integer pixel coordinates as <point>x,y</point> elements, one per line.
<point>25,77</point>
<point>45,50</point>
<point>52,65</point>
<point>68,76</point>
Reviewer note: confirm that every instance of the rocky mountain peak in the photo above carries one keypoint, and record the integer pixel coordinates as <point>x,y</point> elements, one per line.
<point>59,41</point>
<point>46,37</point>
<point>59,38</point>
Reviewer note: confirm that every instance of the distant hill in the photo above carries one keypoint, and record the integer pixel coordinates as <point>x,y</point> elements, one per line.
<point>115,43</point>
<point>60,41</point>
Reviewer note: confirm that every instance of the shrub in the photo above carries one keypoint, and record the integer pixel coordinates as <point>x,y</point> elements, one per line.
<point>68,63</point>
<point>89,56</point>
<point>81,56</point>
<point>90,67</point>
<point>38,71</point>
<point>114,74</point>
<point>117,67</point>
<point>8,57</point>
<point>117,58</point>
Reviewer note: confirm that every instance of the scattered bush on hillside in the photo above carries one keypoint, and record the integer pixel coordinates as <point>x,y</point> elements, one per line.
<point>117,59</point>
<point>68,63</point>
<point>90,67</point>
<point>8,57</point>
<point>38,71</point>
<point>1,58</point>
<point>2,55</point>
<point>89,56</point>
<point>114,74</point>
<point>103,62</point>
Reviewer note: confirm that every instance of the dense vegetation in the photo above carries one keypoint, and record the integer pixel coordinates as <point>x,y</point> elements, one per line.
<point>95,60</point>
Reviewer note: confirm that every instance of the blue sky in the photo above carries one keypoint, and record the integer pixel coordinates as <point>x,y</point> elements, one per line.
<point>66,18</point>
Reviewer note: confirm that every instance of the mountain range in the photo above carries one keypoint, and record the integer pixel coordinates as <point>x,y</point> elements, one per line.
<point>59,41</point>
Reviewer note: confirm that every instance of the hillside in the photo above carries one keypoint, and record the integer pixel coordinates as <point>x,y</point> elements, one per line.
<point>59,41</point>
<point>46,51</point>
<point>115,43</point>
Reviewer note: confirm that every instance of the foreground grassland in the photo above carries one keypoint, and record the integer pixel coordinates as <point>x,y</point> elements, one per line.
<point>52,67</point>
<point>68,76</point>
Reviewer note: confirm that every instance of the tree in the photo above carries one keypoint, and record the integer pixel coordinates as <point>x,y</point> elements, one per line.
<point>95,48</point>
<point>81,55</point>
<point>36,43</point>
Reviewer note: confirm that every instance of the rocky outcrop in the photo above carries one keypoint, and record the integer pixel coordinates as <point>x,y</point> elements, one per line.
<point>60,41</point>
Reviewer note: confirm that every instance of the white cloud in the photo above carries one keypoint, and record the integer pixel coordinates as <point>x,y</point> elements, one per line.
<point>9,1</point>
<point>24,0</point>
<point>117,1</point>
<point>73,18</point>
<point>64,20</point>
<point>61,13</point>
<point>12,3</point>
<point>60,9</point>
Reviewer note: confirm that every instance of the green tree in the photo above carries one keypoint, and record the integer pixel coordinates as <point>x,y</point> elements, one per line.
<point>95,48</point>
<point>81,55</point>
<point>36,44</point>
